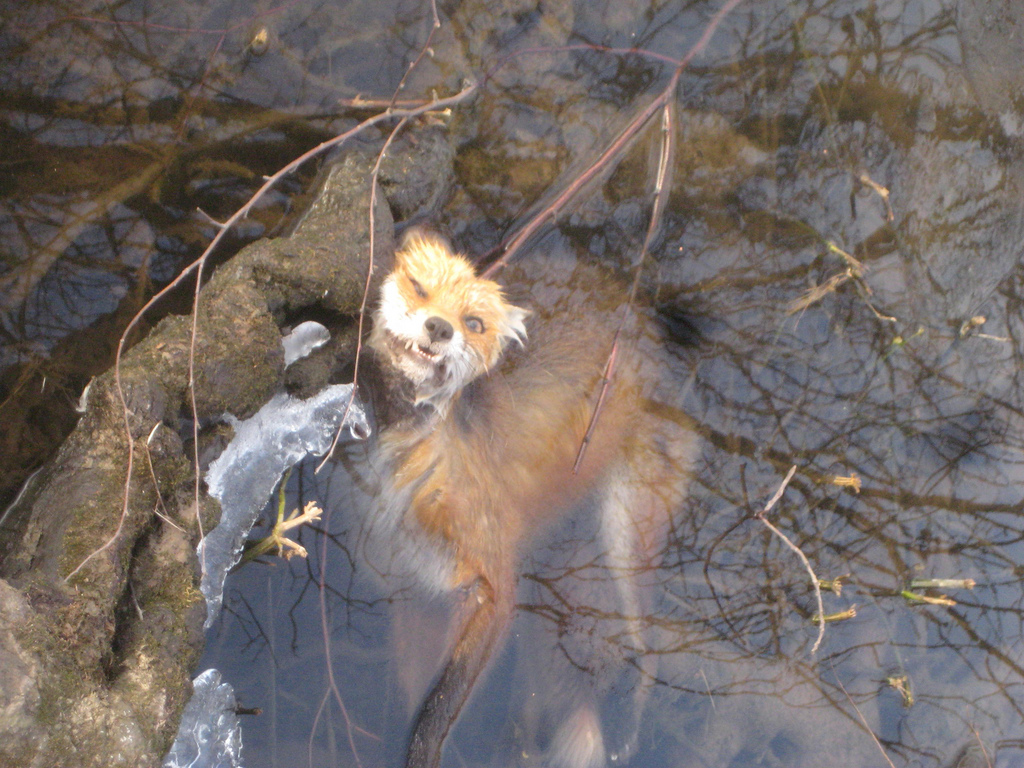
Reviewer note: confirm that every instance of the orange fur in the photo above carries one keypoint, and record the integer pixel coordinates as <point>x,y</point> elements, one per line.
<point>487,460</point>
<point>431,283</point>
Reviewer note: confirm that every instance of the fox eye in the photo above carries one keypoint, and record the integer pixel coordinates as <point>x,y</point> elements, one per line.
<point>420,290</point>
<point>475,324</point>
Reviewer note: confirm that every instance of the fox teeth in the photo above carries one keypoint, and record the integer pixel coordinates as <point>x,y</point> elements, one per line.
<point>413,347</point>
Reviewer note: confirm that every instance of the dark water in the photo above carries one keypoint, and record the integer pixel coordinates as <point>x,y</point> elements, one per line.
<point>119,120</point>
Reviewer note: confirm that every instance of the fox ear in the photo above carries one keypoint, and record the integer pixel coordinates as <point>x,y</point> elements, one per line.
<point>515,324</point>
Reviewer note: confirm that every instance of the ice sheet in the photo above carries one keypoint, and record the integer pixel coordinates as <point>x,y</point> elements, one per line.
<point>209,735</point>
<point>243,477</point>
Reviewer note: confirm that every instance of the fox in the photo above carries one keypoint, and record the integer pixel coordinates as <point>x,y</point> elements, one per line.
<point>512,418</point>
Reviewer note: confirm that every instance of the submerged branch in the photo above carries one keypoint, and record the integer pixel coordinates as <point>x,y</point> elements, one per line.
<point>815,582</point>
<point>665,102</point>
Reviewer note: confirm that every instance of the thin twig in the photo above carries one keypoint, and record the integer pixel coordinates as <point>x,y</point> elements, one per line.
<point>881,191</point>
<point>358,102</point>
<point>617,146</point>
<point>666,102</point>
<point>660,198</point>
<point>21,493</point>
<point>813,295</point>
<point>196,268</point>
<point>981,746</point>
<point>778,494</point>
<point>161,508</point>
<point>374,186</point>
<point>862,289</point>
<point>509,246</point>
<point>857,268</point>
<point>803,558</point>
<point>405,115</point>
<point>863,720</point>
<point>322,591</point>
<point>606,380</point>
<point>423,52</point>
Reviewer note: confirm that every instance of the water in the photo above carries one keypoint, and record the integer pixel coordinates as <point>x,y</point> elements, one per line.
<point>790,126</point>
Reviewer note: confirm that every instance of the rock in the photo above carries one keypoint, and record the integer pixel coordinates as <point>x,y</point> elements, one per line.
<point>100,615</point>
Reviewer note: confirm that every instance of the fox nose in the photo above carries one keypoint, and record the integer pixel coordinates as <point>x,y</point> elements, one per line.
<point>438,329</point>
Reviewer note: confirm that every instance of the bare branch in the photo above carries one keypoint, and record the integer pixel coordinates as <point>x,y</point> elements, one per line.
<point>606,380</point>
<point>374,186</point>
<point>350,728</point>
<point>803,558</point>
<point>667,104</point>
<point>424,51</point>
<point>196,269</point>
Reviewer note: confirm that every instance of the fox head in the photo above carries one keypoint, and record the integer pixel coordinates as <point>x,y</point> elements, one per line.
<point>440,324</point>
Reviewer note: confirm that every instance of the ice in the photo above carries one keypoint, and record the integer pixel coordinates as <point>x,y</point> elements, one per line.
<point>304,338</point>
<point>243,477</point>
<point>209,735</point>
